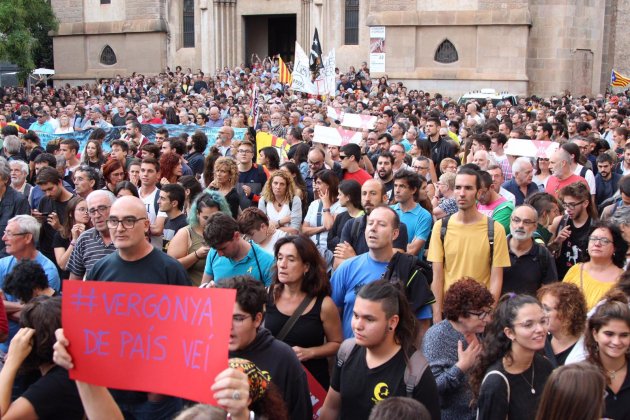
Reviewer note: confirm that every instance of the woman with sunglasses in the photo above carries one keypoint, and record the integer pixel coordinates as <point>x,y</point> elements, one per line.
<point>452,346</point>
<point>606,257</point>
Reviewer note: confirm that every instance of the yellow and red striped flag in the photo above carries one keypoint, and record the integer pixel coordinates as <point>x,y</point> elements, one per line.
<point>618,80</point>
<point>285,74</point>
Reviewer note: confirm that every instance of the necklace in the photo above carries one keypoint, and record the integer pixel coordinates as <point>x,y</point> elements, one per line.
<point>613,373</point>
<point>531,385</point>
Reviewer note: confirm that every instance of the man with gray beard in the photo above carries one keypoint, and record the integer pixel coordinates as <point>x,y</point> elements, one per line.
<point>531,263</point>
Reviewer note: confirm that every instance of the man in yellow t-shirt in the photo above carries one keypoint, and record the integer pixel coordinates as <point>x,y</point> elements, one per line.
<point>466,248</point>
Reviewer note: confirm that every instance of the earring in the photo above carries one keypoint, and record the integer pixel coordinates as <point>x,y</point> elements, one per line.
<point>391,328</point>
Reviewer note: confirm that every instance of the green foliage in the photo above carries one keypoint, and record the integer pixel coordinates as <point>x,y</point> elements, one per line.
<point>24,30</point>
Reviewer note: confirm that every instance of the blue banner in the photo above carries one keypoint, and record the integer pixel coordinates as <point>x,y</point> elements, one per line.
<point>148,130</point>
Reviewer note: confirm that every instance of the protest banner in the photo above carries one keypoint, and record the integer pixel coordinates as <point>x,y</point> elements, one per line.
<point>358,121</point>
<point>302,82</point>
<point>148,130</point>
<point>335,113</point>
<point>335,136</point>
<point>318,393</point>
<point>530,148</point>
<point>170,340</point>
<point>265,140</point>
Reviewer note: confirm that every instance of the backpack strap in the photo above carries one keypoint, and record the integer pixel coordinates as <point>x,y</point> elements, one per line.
<point>344,350</point>
<point>413,372</point>
<point>543,260</point>
<point>583,171</point>
<point>443,230</point>
<point>491,238</point>
<point>507,383</point>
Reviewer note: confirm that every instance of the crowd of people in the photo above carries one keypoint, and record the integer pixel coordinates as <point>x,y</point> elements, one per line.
<point>421,273</point>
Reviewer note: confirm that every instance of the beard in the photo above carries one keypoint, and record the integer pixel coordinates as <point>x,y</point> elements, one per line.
<point>521,235</point>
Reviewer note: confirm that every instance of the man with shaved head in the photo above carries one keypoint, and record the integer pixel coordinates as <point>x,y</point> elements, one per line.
<point>137,261</point>
<point>215,120</point>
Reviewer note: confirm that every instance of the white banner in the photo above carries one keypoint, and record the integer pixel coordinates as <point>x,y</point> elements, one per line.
<point>530,148</point>
<point>358,121</point>
<point>335,113</point>
<point>324,84</point>
<point>335,136</point>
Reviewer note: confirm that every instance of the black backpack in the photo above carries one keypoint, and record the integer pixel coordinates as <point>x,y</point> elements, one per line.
<point>415,276</point>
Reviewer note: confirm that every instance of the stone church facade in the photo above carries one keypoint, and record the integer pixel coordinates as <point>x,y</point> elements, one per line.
<point>538,47</point>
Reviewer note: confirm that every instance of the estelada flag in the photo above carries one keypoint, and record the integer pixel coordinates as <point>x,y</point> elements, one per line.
<point>285,74</point>
<point>618,80</point>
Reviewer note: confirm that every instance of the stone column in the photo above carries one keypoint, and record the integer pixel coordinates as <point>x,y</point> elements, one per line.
<point>307,28</point>
<point>225,33</point>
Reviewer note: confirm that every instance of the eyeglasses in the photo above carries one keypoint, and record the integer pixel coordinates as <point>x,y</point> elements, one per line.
<point>99,210</point>
<point>543,159</point>
<point>526,222</point>
<point>602,241</point>
<point>572,206</point>
<point>244,151</point>
<point>529,325</point>
<point>421,168</point>
<point>238,319</point>
<point>479,314</point>
<point>127,222</point>
<point>11,234</point>
<point>82,209</point>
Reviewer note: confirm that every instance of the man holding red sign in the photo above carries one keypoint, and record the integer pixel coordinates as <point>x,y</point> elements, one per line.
<point>136,260</point>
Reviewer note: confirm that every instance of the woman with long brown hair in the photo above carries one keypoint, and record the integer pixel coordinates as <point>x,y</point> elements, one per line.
<point>607,341</point>
<point>300,279</point>
<point>76,222</point>
<point>280,202</point>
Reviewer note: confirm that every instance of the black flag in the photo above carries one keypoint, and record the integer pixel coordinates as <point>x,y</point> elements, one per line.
<point>315,58</point>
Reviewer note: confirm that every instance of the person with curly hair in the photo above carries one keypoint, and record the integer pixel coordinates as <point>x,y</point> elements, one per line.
<point>53,395</point>
<point>28,280</point>
<point>565,306</point>
<point>452,345</point>
<point>606,257</point>
<point>280,202</point>
<point>509,375</point>
<point>188,245</point>
<point>300,276</point>
<point>170,168</point>
<point>607,341</point>
<point>225,180</point>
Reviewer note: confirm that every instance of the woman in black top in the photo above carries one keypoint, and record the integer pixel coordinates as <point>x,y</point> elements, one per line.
<point>607,340</point>
<point>300,276</point>
<point>510,375</point>
<point>350,198</point>
<point>565,306</point>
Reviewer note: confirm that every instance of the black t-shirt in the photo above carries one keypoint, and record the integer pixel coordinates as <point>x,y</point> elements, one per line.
<point>155,268</point>
<point>255,179</point>
<point>55,396</point>
<point>361,388</point>
<point>47,233</point>
<point>171,226</point>
<point>573,250</point>
<point>556,359</point>
<point>493,397</point>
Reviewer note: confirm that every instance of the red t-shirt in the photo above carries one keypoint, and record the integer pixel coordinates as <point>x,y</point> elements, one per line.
<point>360,176</point>
<point>554,185</point>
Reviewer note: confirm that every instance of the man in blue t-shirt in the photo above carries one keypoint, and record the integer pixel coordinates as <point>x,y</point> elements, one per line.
<point>418,220</point>
<point>20,237</point>
<point>380,232</point>
<point>232,255</point>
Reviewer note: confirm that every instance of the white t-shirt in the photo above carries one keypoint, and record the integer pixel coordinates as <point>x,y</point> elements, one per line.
<point>153,213</point>
<point>312,216</point>
<point>588,176</point>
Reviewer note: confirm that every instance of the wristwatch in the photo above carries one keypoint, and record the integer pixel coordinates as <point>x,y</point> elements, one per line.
<point>326,210</point>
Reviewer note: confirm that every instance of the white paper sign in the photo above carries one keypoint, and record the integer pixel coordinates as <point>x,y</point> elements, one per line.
<point>377,49</point>
<point>359,121</point>
<point>335,136</point>
<point>530,148</point>
<point>324,84</point>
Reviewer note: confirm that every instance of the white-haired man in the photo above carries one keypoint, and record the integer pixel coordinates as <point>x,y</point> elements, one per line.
<point>521,184</point>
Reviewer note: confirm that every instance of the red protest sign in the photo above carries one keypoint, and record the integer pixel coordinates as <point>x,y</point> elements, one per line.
<point>169,340</point>
<point>318,393</point>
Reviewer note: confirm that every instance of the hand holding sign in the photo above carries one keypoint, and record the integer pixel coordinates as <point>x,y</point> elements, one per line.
<point>125,335</point>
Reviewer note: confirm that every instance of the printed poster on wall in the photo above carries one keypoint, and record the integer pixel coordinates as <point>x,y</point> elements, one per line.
<point>377,49</point>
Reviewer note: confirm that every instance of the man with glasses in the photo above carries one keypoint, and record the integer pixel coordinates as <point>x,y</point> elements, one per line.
<point>251,177</point>
<point>570,232</point>
<point>42,125</point>
<point>315,160</point>
<point>532,265</point>
<point>398,151</point>
<point>20,238</point>
<point>95,243</point>
<point>251,341</point>
<point>137,261</point>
